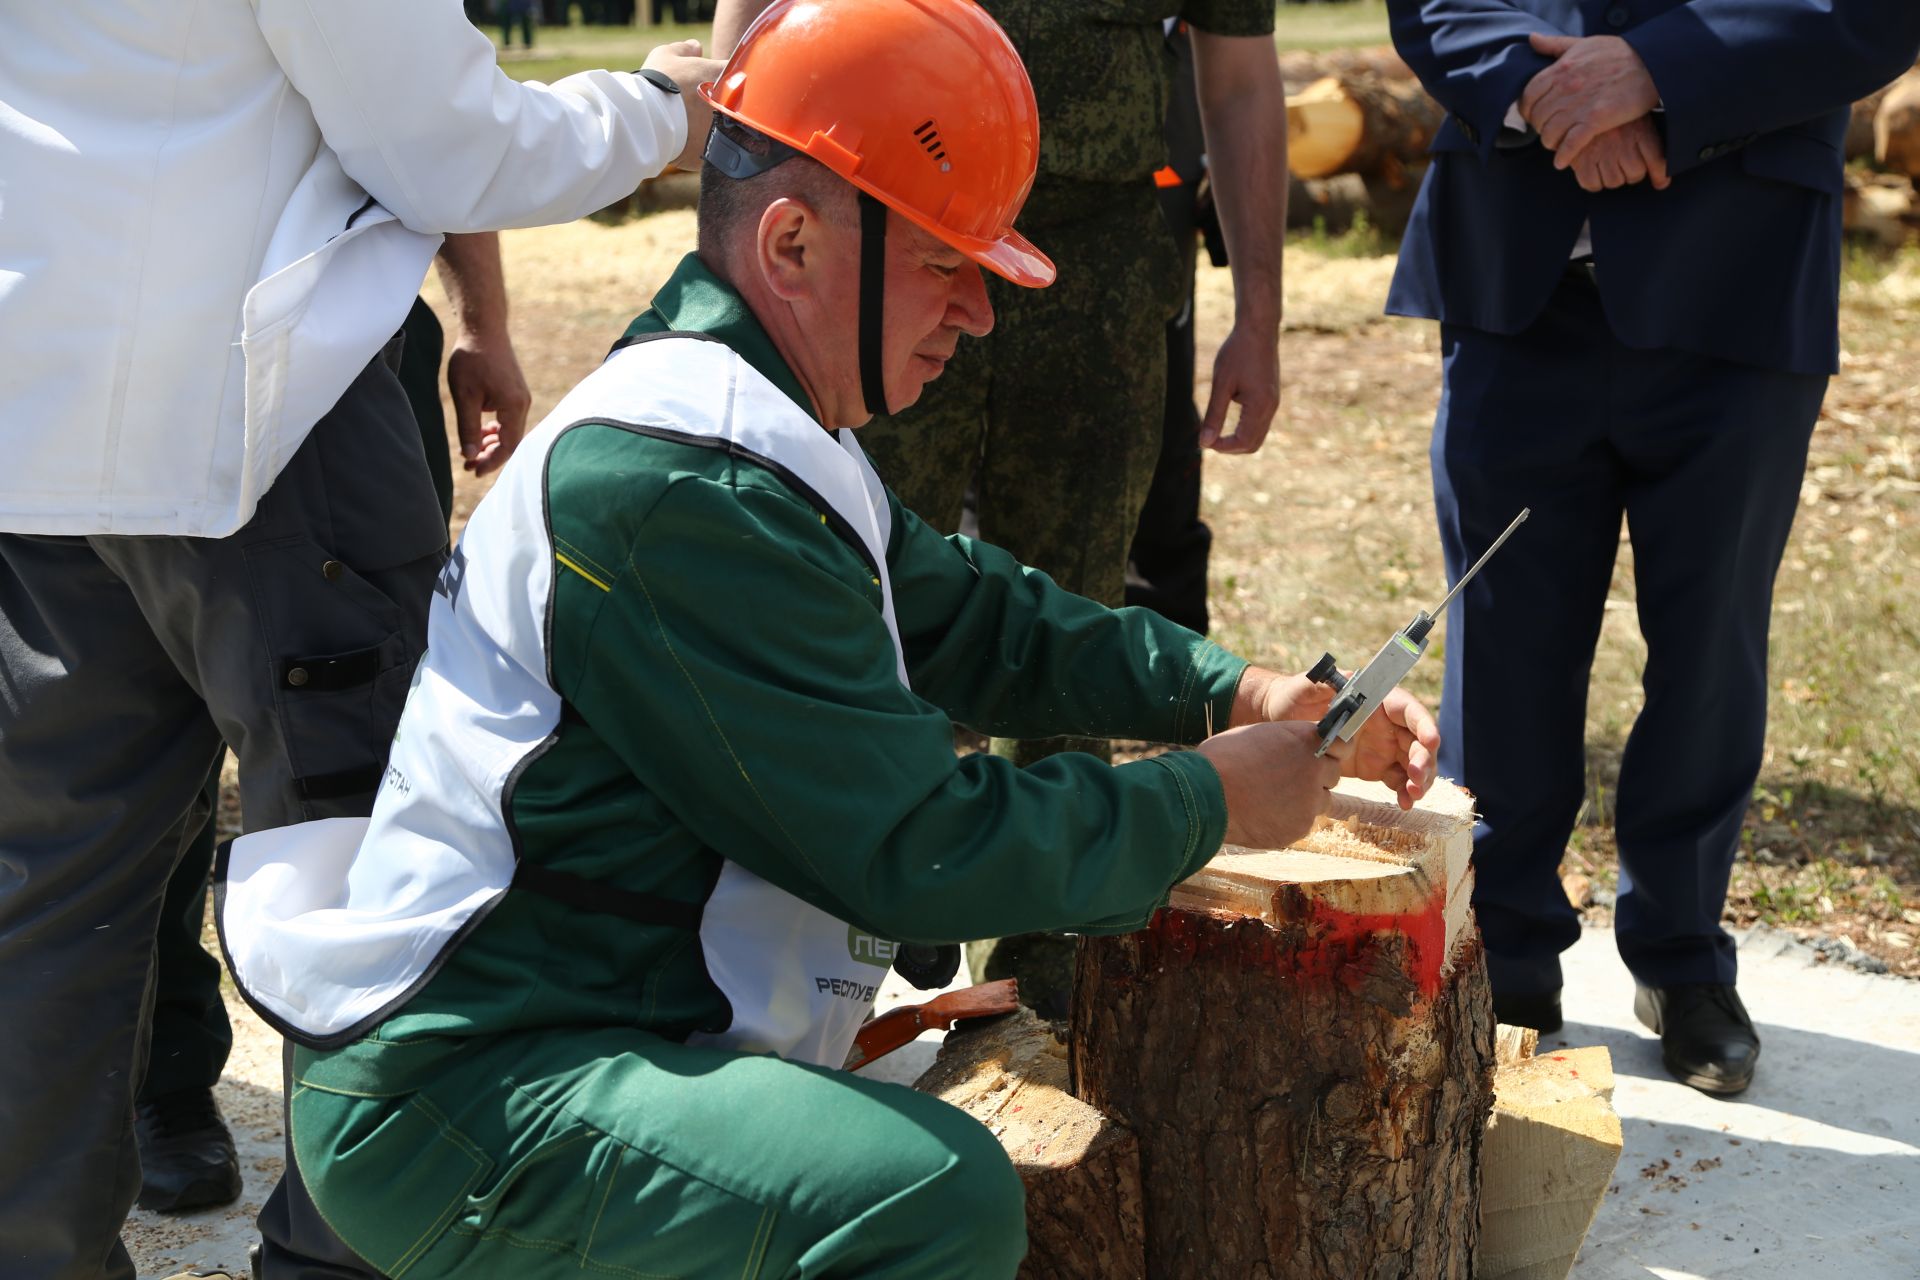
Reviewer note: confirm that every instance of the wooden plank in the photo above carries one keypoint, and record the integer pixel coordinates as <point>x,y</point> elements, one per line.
<point>1549,1153</point>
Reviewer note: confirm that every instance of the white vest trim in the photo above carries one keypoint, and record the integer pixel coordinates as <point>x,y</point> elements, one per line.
<point>330,926</point>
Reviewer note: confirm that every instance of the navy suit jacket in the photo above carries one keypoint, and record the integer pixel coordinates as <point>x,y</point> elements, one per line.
<point>1739,258</point>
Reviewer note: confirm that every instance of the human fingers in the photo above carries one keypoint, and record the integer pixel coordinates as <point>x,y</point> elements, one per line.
<point>1552,119</point>
<point>1403,709</point>
<point>1531,96</point>
<point>1219,398</point>
<point>1654,156</point>
<point>1574,143</point>
<point>1587,174</point>
<point>1551,46</point>
<point>1613,173</point>
<point>468,399</point>
<point>1338,753</point>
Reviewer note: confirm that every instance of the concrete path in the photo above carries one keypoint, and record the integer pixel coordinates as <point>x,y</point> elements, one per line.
<point>1814,1173</point>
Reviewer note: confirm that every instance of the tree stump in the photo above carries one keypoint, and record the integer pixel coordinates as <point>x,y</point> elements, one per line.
<point>1080,1169</point>
<point>1302,1042</point>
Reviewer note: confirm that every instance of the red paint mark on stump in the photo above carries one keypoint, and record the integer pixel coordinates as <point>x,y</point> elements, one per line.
<point>1332,946</point>
<point>1345,936</point>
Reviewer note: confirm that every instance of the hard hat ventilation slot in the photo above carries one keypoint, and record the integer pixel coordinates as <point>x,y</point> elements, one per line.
<point>928,136</point>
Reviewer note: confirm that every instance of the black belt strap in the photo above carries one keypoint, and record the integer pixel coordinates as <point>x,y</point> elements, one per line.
<point>582,894</point>
<point>873,290</point>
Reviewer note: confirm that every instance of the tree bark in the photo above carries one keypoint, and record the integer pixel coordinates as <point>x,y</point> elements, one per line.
<point>1081,1170</point>
<point>1303,1044</point>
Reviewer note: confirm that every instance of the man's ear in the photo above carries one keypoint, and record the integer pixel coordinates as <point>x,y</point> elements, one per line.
<point>787,248</point>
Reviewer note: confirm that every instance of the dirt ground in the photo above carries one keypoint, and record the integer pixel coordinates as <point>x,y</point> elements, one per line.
<point>1325,540</point>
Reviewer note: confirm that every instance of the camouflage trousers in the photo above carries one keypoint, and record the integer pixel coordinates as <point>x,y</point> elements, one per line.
<point>1057,415</point>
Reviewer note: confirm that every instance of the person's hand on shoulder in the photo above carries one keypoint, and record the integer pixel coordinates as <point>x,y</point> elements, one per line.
<point>682,63</point>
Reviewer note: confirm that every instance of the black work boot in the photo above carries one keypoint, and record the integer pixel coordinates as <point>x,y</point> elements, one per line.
<point>1537,1009</point>
<point>1706,1038</point>
<point>187,1159</point>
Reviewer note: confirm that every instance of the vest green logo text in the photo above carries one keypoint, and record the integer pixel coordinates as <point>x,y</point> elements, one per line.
<point>868,949</point>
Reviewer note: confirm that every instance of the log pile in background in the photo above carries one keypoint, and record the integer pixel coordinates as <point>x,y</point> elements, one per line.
<point>1359,124</point>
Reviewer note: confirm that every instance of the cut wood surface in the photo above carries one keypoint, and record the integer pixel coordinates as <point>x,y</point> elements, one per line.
<point>1359,122</point>
<point>1303,1044</point>
<point>1366,858</point>
<point>1513,1044</point>
<point>1551,1148</point>
<point>1080,1169</point>
<point>1896,127</point>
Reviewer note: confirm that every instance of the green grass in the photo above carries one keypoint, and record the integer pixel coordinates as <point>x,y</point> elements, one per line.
<point>1360,240</point>
<point>561,51</point>
<point>1316,27</point>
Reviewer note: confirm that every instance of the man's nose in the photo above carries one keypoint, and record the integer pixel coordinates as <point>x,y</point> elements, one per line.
<point>967,306</point>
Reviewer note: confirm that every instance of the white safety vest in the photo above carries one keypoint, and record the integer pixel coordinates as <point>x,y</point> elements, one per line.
<point>330,926</point>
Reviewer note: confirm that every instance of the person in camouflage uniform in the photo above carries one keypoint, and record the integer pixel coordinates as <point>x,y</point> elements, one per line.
<point>1058,411</point>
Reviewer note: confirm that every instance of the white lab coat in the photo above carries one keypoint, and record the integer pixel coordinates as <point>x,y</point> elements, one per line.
<point>214,212</point>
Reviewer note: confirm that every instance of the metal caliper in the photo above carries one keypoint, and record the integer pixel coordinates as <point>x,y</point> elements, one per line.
<point>1360,695</point>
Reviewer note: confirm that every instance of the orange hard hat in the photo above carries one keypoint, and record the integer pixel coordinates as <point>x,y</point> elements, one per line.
<point>922,104</point>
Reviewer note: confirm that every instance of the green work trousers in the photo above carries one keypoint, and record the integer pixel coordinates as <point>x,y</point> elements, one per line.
<point>611,1151</point>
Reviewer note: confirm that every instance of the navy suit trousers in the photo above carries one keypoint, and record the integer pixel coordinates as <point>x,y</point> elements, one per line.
<point>1704,459</point>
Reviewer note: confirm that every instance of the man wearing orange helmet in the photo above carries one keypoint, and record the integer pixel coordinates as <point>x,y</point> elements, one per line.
<point>675,781</point>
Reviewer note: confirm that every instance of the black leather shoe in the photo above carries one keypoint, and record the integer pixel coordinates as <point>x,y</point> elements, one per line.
<point>1537,1009</point>
<point>187,1159</point>
<point>1706,1038</point>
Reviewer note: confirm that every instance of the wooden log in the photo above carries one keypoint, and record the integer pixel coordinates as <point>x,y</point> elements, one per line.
<point>1551,1148</point>
<point>1300,67</point>
<point>1359,123</point>
<point>1303,1044</point>
<point>1081,1170</point>
<point>1325,125</point>
<point>1880,207</point>
<point>1896,127</point>
<point>1858,144</point>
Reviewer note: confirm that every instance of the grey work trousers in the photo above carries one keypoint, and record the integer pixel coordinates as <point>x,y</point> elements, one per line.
<point>124,663</point>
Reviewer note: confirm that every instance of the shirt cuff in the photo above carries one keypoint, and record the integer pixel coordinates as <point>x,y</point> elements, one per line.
<point>1205,802</point>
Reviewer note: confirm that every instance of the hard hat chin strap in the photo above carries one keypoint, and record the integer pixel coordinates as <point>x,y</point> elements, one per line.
<point>873,288</point>
<point>736,161</point>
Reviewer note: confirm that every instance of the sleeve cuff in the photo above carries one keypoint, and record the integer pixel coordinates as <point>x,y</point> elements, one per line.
<point>1206,698</point>
<point>1205,802</point>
